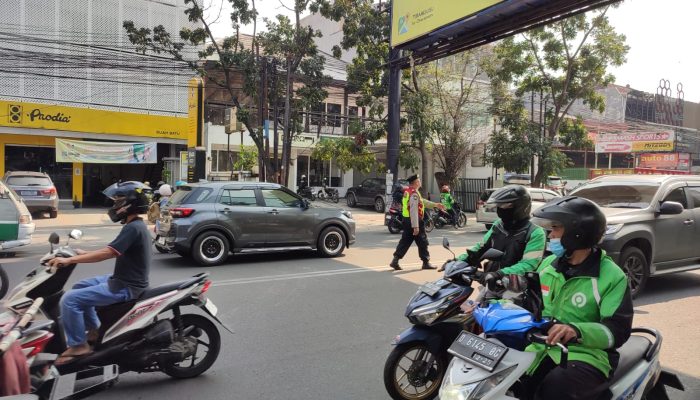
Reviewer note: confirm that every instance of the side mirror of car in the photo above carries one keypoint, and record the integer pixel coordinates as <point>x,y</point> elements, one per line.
<point>670,208</point>
<point>304,204</point>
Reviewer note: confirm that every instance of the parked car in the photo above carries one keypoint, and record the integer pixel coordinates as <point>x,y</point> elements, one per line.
<point>371,192</point>
<point>653,223</point>
<point>16,225</point>
<point>486,214</point>
<point>36,189</point>
<point>555,183</point>
<point>210,220</point>
<point>517,179</point>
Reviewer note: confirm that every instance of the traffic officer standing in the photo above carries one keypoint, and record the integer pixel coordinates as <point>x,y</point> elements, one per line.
<point>413,225</point>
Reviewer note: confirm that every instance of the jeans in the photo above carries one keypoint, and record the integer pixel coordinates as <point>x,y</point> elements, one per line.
<point>78,307</point>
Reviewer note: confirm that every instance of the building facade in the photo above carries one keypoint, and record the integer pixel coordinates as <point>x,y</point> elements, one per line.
<point>69,72</point>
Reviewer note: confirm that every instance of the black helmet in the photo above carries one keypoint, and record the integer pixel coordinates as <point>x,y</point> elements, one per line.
<point>583,221</point>
<point>129,198</point>
<point>513,203</point>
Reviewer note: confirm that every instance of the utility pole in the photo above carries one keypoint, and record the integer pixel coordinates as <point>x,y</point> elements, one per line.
<point>393,138</point>
<point>276,116</point>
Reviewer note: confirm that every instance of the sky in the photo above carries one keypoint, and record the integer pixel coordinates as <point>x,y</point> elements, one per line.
<point>662,37</point>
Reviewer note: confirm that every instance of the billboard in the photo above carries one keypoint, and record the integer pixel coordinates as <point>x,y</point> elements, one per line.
<point>411,19</point>
<point>105,152</point>
<point>634,142</point>
<point>672,161</point>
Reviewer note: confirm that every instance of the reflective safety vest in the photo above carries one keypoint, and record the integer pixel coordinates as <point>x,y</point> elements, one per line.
<point>407,195</point>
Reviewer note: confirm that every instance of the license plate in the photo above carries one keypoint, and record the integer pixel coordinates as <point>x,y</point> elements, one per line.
<point>477,350</point>
<point>27,192</point>
<point>211,307</point>
<point>161,241</point>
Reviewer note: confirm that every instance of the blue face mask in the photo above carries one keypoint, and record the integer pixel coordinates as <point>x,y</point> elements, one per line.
<point>555,247</point>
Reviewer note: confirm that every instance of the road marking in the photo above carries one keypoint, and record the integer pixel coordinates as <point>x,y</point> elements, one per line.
<point>303,275</point>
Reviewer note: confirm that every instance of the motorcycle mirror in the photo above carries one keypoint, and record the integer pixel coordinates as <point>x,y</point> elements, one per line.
<point>493,255</point>
<point>445,243</point>
<point>54,238</point>
<point>76,234</point>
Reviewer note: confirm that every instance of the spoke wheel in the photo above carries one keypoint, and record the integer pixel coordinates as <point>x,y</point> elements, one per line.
<point>205,340</point>
<point>413,372</point>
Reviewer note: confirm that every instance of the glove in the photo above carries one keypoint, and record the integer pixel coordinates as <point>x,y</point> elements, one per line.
<point>491,278</point>
<point>469,257</point>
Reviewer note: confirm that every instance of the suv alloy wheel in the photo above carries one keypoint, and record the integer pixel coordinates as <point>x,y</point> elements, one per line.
<point>210,248</point>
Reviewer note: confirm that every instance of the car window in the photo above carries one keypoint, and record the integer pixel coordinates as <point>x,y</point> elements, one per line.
<point>368,184</point>
<point>618,195</point>
<point>694,194</point>
<point>20,180</point>
<point>8,210</point>
<point>549,196</point>
<point>239,197</point>
<point>536,196</point>
<point>280,198</point>
<point>189,195</point>
<point>677,195</point>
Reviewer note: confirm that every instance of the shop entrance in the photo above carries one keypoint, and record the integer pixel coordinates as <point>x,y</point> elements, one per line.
<point>41,159</point>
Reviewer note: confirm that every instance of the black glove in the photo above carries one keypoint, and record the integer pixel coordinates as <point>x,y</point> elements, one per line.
<point>491,278</point>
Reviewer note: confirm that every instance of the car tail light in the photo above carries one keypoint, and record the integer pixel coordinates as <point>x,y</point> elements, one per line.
<point>37,345</point>
<point>25,219</point>
<point>181,212</point>
<point>48,192</point>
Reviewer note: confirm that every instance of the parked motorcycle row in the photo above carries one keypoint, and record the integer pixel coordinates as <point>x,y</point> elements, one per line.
<point>393,218</point>
<point>324,193</point>
<point>447,353</point>
<point>148,334</point>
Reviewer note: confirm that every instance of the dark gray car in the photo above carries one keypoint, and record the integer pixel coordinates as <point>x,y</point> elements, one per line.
<point>371,191</point>
<point>210,220</point>
<point>653,222</point>
<point>36,189</point>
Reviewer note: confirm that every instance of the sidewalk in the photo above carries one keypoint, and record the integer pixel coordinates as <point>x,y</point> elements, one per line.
<point>75,218</point>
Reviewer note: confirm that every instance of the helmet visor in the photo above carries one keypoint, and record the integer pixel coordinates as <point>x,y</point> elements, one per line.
<point>546,223</point>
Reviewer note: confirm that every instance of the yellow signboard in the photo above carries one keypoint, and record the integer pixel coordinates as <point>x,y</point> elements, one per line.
<point>414,18</point>
<point>46,116</point>
<point>652,146</point>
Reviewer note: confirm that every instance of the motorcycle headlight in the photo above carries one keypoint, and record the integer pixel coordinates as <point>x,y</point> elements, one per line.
<point>612,229</point>
<point>473,391</point>
<point>428,313</point>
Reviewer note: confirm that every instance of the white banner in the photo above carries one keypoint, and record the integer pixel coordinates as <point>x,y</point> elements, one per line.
<point>106,152</point>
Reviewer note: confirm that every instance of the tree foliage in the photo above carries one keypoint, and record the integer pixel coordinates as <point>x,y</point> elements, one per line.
<point>346,155</point>
<point>247,159</point>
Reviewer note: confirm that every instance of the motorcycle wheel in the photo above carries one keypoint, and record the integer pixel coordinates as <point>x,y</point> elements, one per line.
<point>201,327</point>
<point>429,225</point>
<point>313,197</point>
<point>394,227</point>
<point>462,220</point>
<point>4,282</point>
<point>335,197</point>
<point>407,375</point>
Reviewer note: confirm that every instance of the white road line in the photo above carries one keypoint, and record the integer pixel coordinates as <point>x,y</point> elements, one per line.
<point>303,275</point>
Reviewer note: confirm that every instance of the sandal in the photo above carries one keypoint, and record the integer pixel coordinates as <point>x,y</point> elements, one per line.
<point>64,359</point>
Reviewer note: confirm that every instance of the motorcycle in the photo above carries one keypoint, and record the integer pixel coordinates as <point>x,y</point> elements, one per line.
<point>491,364</point>
<point>306,192</point>
<point>138,335</point>
<point>393,219</point>
<point>418,362</point>
<point>328,193</point>
<point>45,381</point>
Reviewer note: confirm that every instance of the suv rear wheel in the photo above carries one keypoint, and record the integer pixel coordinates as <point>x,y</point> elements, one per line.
<point>379,205</point>
<point>352,201</point>
<point>634,263</point>
<point>210,248</point>
<point>331,242</point>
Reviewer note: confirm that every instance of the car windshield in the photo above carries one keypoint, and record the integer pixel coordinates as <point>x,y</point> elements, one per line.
<point>618,195</point>
<point>555,181</point>
<point>179,196</point>
<point>28,181</point>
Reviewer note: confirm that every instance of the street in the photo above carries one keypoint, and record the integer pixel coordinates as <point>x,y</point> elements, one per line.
<point>313,328</point>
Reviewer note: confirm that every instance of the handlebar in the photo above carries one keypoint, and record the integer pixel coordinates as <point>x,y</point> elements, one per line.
<point>539,337</point>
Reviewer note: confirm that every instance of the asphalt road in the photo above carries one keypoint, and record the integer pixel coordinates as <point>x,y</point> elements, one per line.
<point>312,328</point>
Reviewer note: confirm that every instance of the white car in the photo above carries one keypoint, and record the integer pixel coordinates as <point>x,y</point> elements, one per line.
<point>486,214</point>
<point>16,225</point>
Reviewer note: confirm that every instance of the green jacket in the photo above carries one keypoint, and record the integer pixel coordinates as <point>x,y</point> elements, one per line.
<point>523,263</point>
<point>595,300</point>
<point>447,200</point>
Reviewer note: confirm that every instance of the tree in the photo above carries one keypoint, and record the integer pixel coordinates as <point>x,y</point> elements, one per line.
<point>565,61</point>
<point>247,159</point>
<point>287,47</point>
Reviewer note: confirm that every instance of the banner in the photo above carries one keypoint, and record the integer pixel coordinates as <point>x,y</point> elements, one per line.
<point>411,19</point>
<point>594,172</point>
<point>672,161</point>
<point>634,142</point>
<point>105,152</point>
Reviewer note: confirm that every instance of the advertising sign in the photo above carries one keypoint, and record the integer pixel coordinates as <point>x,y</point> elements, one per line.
<point>105,152</point>
<point>412,19</point>
<point>594,172</point>
<point>634,142</point>
<point>673,161</point>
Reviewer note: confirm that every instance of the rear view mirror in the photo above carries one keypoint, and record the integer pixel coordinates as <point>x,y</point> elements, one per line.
<point>76,234</point>
<point>445,243</point>
<point>670,208</point>
<point>304,204</point>
<point>54,238</point>
<point>493,255</point>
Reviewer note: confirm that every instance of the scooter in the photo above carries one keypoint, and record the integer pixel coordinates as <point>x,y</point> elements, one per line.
<point>393,219</point>
<point>490,365</point>
<point>138,335</point>
<point>415,367</point>
<point>306,192</point>
<point>328,193</point>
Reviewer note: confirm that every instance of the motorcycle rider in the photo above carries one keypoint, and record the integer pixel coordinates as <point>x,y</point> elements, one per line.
<point>132,249</point>
<point>447,201</point>
<point>413,225</point>
<point>522,241</point>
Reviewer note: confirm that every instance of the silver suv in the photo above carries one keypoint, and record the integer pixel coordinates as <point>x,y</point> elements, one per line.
<point>653,222</point>
<point>36,189</point>
<point>210,220</point>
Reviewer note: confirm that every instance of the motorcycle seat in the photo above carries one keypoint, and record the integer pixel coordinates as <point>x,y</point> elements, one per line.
<point>158,290</point>
<point>630,354</point>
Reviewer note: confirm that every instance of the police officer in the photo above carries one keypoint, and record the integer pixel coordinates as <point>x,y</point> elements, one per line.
<point>522,242</point>
<point>413,225</point>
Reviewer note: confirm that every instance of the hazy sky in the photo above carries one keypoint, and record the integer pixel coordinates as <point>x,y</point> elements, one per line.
<point>662,37</point>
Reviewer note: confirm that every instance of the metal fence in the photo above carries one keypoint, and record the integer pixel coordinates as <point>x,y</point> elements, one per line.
<point>468,190</point>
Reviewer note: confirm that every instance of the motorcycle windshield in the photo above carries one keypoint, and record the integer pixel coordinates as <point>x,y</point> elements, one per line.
<point>504,318</point>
